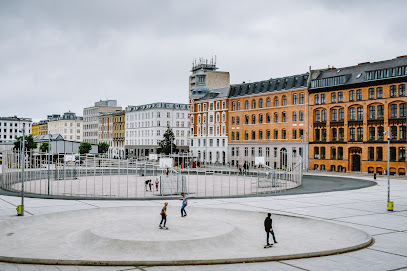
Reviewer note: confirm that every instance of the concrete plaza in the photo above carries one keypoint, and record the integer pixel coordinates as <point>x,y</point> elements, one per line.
<point>363,209</point>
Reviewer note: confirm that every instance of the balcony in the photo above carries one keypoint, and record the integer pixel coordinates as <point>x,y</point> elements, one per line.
<point>319,124</point>
<point>355,123</point>
<point>375,122</point>
<point>395,121</point>
<point>338,123</point>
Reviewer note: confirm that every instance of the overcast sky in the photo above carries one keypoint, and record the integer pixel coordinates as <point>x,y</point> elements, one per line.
<point>57,56</point>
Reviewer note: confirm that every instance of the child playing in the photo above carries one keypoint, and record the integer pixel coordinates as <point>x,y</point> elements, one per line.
<point>156,184</point>
<point>164,216</point>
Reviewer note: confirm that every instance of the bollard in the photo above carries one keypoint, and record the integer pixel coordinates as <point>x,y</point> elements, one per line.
<point>390,206</point>
<point>20,210</point>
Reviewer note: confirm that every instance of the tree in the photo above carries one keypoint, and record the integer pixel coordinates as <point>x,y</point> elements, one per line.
<point>44,146</point>
<point>84,147</point>
<point>103,147</point>
<point>29,143</point>
<point>164,146</point>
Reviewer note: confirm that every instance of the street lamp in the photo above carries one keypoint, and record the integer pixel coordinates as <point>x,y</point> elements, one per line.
<point>49,159</point>
<point>390,204</point>
<point>22,172</point>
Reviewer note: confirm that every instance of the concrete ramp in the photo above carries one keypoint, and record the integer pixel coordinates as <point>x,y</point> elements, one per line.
<point>130,236</point>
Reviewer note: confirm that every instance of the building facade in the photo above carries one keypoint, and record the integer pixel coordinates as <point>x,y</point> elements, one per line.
<point>145,126</point>
<point>91,119</point>
<point>69,126</point>
<point>11,127</point>
<point>106,128</point>
<point>268,119</point>
<point>119,133</point>
<point>43,127</point>
<point>35,128</point>
<point>353,110</point>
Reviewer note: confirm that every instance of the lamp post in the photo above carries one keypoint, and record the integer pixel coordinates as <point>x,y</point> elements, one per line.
<point>22,171</point>
<point>49,159</point>
<point>390,204</point>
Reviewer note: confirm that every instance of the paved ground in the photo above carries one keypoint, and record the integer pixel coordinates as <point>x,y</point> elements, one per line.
<point>363,208</point>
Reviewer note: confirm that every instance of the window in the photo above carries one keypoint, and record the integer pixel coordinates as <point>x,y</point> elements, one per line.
<point>371,93</point>
<point>371,154</point>
<point>334,115</point>
<point>316,99</point>
<point>233,106</point>
<point>302,98</point>
<point>237,136</point>
<point>372,133</point>
<point>380,132</point>
<point>301,116</point>
<point>393,132</point>
<point>352,134</point>
<point>246,135</point>
<point>351,95</point>
<point>211,106</point>
<point>268,102</point>
<point>276,101</point>
<point>317,135</point>
<point>284,100</point>
<point>334,134</point>
<point>246,151</point>
<point>268,118</point>
<point>322,98</point>
<point>360,133</point>
<point>253,135</point>
<point>322,152</point>
<point>352,113</point>
<point>233,135</point>
<point>295,99</point>
<point>275,117</point>
<point>333,153</point>
<point>333,97</point>
<point>254,104</point>
<point>247,105</point>
<point>267,152</point>
<point>246,119</point>
<point>340,96</point>
<point>402,110</point>
<point>402,154</point>
<point>252,151</point>
<point>393,91</point>
<point>237,120</point>
<point>317,116</point>
<point>379,154</point>
<point>260,134</point>
<point>268,134</point>
<point>372,112</point>
<point>233,120</point>
<point>294,116</point>
<point>301,133</point>
<point>402,132</point>
<point>284,134</point>
<point>275,134</point>
<point>379,92</point>
<point>261,103</point>
<point>284,117</point>
<point>224,105</point>
<point>340,153</point>
<point>323,134</point>
<point>253,119</point>
<point>393,111</point>
<point>360,113</point>
<point>238,105</point>
<point>402,90</point>
<point>380,111</point>
<point>323,115</point>
<point>359,94</point>
<point>294,133</point>
<point>260,118</point>
<point>316,153</point>
<point>392,153</point>
<point>341,114</point>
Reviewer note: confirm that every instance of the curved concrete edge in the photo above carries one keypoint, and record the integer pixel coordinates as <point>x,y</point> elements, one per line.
<point>21,260</point>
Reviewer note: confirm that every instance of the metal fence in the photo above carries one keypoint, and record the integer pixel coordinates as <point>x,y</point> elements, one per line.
<point>93,177</point>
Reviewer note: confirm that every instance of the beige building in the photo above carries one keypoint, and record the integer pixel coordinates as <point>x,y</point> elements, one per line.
<point>67,125</point>
<point>91,119</point>
<point>43,127</point>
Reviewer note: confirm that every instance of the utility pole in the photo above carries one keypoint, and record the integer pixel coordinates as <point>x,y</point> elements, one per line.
<point>389,203</point>
<point>22,171</point>
<point>49,159</point>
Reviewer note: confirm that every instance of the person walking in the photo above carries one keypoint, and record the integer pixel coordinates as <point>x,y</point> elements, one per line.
<point>163,216</point>
<point>268,227</point>
<point>156,184</point>
<point>184,204</point>
<point>150,184</point>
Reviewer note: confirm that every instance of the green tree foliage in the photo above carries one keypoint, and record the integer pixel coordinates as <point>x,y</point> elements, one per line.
<point>29,143</point>
<point>103,147</point>
<point>164,146</point>
<point>44,146</point>
<point>84,147</point>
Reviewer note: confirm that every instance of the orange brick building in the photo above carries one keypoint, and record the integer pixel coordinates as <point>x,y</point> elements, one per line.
<point>266,119</point>
<point>350,111</point>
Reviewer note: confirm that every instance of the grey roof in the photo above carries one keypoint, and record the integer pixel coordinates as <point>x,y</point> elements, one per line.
<point>216,94</point>
<point>132,108</point>
<point>359,74</point>
<point>15,119</point>
<point>54,137</point>
<point>272,85</point>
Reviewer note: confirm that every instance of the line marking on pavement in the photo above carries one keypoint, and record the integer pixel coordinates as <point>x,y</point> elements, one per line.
<point>391,253</point>
<point>292,265</point>
<point>401,268</point>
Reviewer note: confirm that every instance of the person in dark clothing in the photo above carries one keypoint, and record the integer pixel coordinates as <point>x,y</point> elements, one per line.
<point>268,227</point>
<point>163,216</point>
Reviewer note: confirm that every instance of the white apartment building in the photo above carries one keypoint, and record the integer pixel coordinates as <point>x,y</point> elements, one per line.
<point>11,127</point>
<point>146,125</point>
<point>69,126</point>
<point>91,119</point>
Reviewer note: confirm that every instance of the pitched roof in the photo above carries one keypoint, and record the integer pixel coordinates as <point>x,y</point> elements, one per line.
<point>216,94</point>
